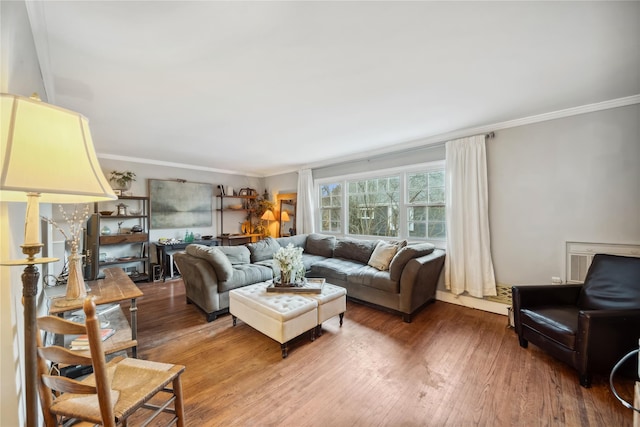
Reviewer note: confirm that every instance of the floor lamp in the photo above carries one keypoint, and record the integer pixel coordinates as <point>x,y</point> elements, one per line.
<point>46,156</point>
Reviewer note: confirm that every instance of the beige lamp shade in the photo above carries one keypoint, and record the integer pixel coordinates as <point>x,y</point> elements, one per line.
<point>268,215</point>
<point>284,216</point>
<point>47,150</point>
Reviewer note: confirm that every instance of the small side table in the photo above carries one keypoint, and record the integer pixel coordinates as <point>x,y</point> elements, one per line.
<point>117,286</point>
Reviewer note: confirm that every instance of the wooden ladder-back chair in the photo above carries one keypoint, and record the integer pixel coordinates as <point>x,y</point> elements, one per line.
<point>114,391</point>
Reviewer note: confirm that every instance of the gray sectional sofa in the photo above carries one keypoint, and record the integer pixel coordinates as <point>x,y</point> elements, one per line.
<point>390,275</point>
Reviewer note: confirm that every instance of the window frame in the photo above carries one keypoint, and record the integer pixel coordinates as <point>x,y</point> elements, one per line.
<point>403,206</point>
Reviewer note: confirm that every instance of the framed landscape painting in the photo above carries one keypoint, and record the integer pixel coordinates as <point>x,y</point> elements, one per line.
<point>180,204</point>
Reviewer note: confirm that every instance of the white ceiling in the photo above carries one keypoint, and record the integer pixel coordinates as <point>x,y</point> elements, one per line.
<point>266,87</point>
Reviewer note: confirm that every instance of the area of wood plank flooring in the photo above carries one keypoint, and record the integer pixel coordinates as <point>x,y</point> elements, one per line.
<point>452,366</point>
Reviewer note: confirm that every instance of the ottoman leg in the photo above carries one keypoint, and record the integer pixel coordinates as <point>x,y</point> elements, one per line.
<point>341,318</point>
<point>319,329</point>
<point>283,347</point>
<point>234,320</point>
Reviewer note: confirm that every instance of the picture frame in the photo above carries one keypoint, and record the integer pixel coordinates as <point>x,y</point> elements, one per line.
<point>180,204</point>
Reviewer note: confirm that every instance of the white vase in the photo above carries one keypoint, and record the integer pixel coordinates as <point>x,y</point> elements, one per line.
<point>285,276</point>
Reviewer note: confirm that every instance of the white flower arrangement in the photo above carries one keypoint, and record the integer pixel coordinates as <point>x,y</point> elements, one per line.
<point>75,221</point>
<point>289,260</point>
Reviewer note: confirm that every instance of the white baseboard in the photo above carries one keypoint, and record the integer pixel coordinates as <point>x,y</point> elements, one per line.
<point>471,302</point>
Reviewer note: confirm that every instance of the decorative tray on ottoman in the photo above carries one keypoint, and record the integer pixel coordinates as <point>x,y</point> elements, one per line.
<point>306,286</point>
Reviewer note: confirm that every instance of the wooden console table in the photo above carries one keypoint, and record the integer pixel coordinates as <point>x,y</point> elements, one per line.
<point>166,262</point>
<point>238,239</point>
<point>116,287</point>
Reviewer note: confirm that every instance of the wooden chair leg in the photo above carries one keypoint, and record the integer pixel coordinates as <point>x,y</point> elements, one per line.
<point>179,403</point>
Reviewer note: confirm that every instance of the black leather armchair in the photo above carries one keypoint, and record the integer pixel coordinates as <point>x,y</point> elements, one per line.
<point>589,326</point>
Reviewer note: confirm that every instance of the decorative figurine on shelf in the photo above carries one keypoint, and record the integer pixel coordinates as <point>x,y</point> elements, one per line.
<point>122,209</point>
<point>120,227</point>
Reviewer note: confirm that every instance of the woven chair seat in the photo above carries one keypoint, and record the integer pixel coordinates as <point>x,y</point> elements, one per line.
<point>133,382</point>
<point>114,391</point>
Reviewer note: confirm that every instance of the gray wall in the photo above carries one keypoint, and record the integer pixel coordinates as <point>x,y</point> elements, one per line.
<point>571,179</point>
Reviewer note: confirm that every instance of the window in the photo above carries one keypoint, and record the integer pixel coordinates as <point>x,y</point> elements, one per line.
<point>402,204</point>
<point>331,207</point>
<point>426,205</point>
<point>374,206</point>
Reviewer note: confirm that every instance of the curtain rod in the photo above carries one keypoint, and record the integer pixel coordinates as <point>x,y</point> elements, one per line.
<point>432,146</point>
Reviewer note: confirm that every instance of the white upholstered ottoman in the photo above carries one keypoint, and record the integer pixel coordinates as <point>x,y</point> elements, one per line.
<point>280,316</point>
<point>331,302</point>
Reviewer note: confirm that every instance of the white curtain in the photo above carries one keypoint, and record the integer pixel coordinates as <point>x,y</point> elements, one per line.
<point>468,264</point>
<point>304,210</point>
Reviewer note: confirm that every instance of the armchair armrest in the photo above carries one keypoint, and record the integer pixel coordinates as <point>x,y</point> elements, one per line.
<point>604,336</point>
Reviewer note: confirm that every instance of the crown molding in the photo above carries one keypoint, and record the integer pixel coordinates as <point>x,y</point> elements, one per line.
<point>175,165</point>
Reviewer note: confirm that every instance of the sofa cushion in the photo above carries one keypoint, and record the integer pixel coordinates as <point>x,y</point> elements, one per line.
<point>219,261</point>
<point>298,241</point>
<point>264,249</point>
<point>384,253</point>
<point>334,268</point>
<point>404,255</point>
<point>374,278</point>
<point>357,250</point>
<point>237,254</point>
<point>308,260</point>
<point>320,244</point>
<point>559,323</point>
<point>245,274</point>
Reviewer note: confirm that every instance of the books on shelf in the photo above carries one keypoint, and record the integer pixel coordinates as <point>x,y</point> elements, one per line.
<point>81,342</point>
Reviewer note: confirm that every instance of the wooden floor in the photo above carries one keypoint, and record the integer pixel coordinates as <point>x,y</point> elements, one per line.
<point>453,366</point>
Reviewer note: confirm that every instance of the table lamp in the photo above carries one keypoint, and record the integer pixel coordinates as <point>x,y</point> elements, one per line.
<point>46,155</point>
<point>268,216</point>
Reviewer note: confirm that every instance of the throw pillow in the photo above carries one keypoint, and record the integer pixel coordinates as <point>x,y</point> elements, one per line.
<point>219,261</point>
<point>264,249</point>
<point>383,254</point>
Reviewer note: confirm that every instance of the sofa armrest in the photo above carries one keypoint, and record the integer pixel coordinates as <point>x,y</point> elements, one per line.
<point>200,281</point>
<point>419,281</point>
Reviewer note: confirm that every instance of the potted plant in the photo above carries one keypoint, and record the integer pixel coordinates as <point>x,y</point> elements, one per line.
<point>122,180</point>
